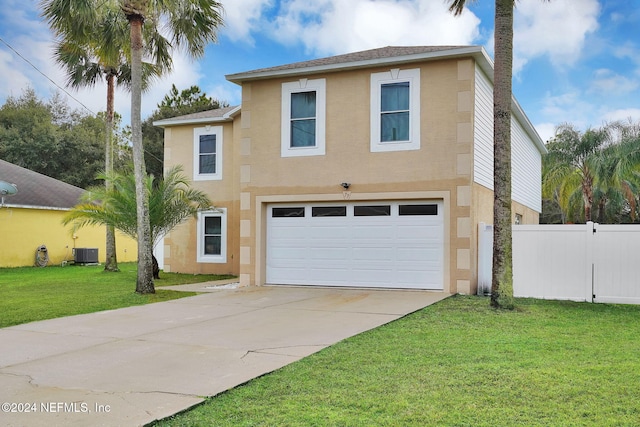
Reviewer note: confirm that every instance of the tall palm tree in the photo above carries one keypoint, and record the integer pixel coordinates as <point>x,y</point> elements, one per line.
<point>192,24</point>
<point>502,282</point>
<point>171,202</point>
<point>92,44</point>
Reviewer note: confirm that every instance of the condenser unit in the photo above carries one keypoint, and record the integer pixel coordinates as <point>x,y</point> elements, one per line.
<point>85,255</point>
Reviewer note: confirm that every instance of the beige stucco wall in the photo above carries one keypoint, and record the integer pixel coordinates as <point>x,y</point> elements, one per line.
<point>441,169</point>
<point>180,245</point>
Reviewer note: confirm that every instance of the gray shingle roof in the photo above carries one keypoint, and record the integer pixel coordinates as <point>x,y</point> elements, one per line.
<point>219,114</point>
<point>37,190</point>
<point>385,54</point>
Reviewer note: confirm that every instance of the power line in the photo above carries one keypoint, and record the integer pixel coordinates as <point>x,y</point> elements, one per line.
<point>60,87</point>
<point>45,76</point>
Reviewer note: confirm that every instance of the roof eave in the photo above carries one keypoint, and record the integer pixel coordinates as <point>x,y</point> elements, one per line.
<point>22,206</point>
<point>239,78</point>
<point>227,117</point>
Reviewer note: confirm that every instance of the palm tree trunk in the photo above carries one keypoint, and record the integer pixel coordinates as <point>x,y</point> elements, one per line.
<point>502,284</point>
<point>111,263</point>
<point>144,283</point>
<point>587,196</point>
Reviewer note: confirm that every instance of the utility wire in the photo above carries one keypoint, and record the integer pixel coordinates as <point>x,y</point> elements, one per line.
<point>45,76</point>
<point>60,87</point>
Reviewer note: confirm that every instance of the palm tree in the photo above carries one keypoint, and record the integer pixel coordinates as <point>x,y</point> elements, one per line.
<point>502,282</point>
<point>192,24</point>
<point>171,202</point>
<point>597,168</point>
<point>93,43</point>
<point>572,165</point>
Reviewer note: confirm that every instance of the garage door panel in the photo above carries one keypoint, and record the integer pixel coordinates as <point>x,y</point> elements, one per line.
<point>285,254</point>
<point>386,232</point>
<point>413,255</point>
<point>373,254</point>
<point>290,275</point>
<point>287,232</point>
<point>409,232</point>
<point>322,254</point>
<point>396,251</point>
<point>325,231</point>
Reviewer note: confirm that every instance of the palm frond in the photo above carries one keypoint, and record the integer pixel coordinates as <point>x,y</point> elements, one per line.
<point>171,202</point>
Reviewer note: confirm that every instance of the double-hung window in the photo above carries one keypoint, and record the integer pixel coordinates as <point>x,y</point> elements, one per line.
<point>212,236</point>
<point>303,118</point>
<point>395,110</point>
<point>207,153</point>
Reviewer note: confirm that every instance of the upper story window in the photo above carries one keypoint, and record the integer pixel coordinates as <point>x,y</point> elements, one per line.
<point>395,110</point>
<point>207,153</point>
<point>303,118</point>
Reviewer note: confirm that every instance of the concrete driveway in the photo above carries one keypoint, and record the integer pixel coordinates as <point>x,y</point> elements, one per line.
<point>130,366</point>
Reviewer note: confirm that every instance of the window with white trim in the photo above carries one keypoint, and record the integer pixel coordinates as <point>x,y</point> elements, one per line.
<point>207,153</point>
<point>395,110</point>
<point>212,236</point>
<point>303,118</point>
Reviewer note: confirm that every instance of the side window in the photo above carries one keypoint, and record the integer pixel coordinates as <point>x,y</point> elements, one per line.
<point>212,236</point>
<point>207,153</point>
<point>303,118</point>
<point>395,110</point>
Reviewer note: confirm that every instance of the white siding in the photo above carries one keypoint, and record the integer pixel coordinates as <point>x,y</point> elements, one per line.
<point>525,156</point>
<point>526,169</point>
<point>483,132</point>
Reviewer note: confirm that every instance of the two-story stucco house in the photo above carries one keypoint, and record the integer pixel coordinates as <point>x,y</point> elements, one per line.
<point>368,169</point>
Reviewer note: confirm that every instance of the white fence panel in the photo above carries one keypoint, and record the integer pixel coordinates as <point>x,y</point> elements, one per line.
<point>617,264</point>
<point>586,262</point>
<point>552,262</point>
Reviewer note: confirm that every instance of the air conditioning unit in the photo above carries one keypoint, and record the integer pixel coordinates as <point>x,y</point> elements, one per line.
<point>85,255</point>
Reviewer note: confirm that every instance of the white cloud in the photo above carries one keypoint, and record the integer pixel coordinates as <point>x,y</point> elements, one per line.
<point>623,115</point>
<point>608,82</point>
<point>546,131</point>
<point>224,92</point>
<point>328,27</point>
<point>242,17</point>
<point>571,107</point>
<point>557,29</point>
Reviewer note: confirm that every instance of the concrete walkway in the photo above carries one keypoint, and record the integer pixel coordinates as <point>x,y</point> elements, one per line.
<point>130,366</point>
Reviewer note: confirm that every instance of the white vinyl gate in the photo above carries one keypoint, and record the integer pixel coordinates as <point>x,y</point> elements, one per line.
<point>585,262</point>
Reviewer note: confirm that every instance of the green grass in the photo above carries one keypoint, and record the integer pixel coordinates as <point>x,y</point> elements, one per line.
<point>456,363</point>
<point>28,294</point>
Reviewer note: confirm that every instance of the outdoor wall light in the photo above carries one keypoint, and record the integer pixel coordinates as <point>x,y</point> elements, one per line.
<point>345,185</point>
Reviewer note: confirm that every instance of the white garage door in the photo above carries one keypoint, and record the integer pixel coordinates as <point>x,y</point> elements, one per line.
<point>372,244</point>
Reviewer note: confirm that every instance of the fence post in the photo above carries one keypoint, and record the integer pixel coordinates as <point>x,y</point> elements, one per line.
<point>590,229</point>
<point>485,258</point>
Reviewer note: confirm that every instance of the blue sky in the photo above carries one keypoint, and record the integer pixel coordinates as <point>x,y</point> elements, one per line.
<point>575,61</point>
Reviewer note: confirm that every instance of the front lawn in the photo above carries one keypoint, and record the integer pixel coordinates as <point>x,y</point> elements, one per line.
<point>456,363</point>
<point>30,293</point>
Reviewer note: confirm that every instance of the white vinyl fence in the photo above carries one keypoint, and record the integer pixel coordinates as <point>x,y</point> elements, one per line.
<point>586,262</point>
